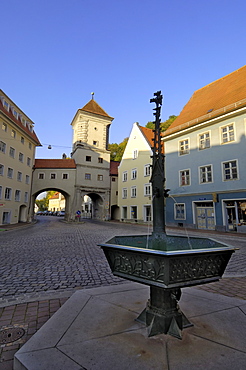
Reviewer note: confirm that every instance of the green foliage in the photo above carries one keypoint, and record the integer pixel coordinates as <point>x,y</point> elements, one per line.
<point>43,203</point>
<point>164,125</point>
<point>117,150</point>
<point>50,194</point>
<point>150,125</point>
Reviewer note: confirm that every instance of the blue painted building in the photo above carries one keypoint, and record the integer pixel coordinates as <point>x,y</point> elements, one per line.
<point>205,150</point>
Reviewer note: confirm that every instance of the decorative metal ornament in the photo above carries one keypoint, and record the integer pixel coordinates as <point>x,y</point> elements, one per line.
<point>165,263</point>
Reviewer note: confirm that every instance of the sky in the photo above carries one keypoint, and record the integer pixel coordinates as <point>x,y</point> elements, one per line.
<point>56,52</point>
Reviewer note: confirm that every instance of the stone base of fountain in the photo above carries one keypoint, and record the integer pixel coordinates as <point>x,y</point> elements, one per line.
<point>178,262</point>
<point>162,314</point>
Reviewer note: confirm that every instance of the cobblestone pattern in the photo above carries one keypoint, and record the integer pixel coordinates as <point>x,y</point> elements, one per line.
<point>52,256</point>
<point>31,316</point>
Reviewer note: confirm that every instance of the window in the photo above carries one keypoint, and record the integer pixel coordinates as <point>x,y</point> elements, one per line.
<point>134,173</point>
<point>99,177</point>
<point>184,147</point>
<point>8,193</point>
<point>53,176</point>
<point>30,146</point>
<point>179,211</point>
<point>19,176</point>
<point>1,169</point>
<point>227,133</point>
<point>113,179</point>
<point>147,190</point>
<point>95,142</point>
<point>147,168</point>
<point>1,191</point>
<point>2,147</point>
<point>26,197</point>
<point>6,105</point>
<point>124,193</point>
<point>124,176</point>
<point>65,176</point>
<point>10,173</point>
<point>204,141</point>
<point>4,127</point>
<point>41,176</point>
<point>135,154</point>
<point>13,133</point>
<point>205,174</point>
<point>27,179</point>
<point>100,160</point>
<point>184,177</point>
<point>22,140</point>
<point>21,157</point>
<point>87,176</point>
<point>134,210</point>
<point>88,158</point>
<point>12,152</point>
<point>133,192</point>
<point>28,161</point>
<point>17,195</point>
<point>230,171</point>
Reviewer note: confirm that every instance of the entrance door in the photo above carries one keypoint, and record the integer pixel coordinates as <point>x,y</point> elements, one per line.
<point>147,213</point>
<point>231,218</point>
<point>205,218</point>
<point>6,217</point>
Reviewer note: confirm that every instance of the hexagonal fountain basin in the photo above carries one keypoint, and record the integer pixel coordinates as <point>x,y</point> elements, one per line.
<point>178,262</point>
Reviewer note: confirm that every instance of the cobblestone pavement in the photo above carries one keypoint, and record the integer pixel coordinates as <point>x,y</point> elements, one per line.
<point>41,265</point>
<point>53,256</point>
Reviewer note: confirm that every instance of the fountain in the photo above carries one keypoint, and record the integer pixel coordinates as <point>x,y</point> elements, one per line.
<point>165,263</point>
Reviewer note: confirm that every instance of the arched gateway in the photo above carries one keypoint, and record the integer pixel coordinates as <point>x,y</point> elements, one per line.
<point>88,170</point>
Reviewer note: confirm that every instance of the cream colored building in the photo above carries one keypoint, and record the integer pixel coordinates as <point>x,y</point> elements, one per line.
<point>134,187</point>
<point>17,152</point>
<point>57,202</point>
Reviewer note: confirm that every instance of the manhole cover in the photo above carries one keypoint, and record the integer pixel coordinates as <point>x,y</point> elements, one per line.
<point>11,334</point>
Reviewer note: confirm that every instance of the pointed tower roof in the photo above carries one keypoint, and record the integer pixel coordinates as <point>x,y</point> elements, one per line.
<point>93,107</point>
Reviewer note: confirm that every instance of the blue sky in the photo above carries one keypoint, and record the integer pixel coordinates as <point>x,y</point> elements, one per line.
<point>56,52</point>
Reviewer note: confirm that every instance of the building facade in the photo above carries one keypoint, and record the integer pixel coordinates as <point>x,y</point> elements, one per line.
<point>134,188</point>
<point>205,158</point>
<point>17,154</point>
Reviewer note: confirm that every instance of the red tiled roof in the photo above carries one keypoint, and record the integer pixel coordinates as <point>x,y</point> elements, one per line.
<point>10,115</point>
<point>55,196</point>
<point>93,107</point>
<point>114,168</point>
<point>213,100</point>
<point>148,134</point>
<point>55,163</point>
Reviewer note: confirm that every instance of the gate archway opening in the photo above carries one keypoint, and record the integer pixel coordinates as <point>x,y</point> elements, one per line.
<point>93,206</point>
<point>61,203</point>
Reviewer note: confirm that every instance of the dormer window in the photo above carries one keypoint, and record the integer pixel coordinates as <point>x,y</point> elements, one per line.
<point>6,105</point>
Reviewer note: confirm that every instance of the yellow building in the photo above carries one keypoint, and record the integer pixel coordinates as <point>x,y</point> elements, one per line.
<point>17,152</point>
<point>56,202</point>
<point>134,197</point>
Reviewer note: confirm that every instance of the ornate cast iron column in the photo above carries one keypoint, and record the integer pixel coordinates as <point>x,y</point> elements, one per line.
<point>158,178</point>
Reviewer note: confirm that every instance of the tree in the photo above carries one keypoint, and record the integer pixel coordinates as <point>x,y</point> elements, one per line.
<point>163,125</point>
<point>43,203</point>
<point>117,150</point>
